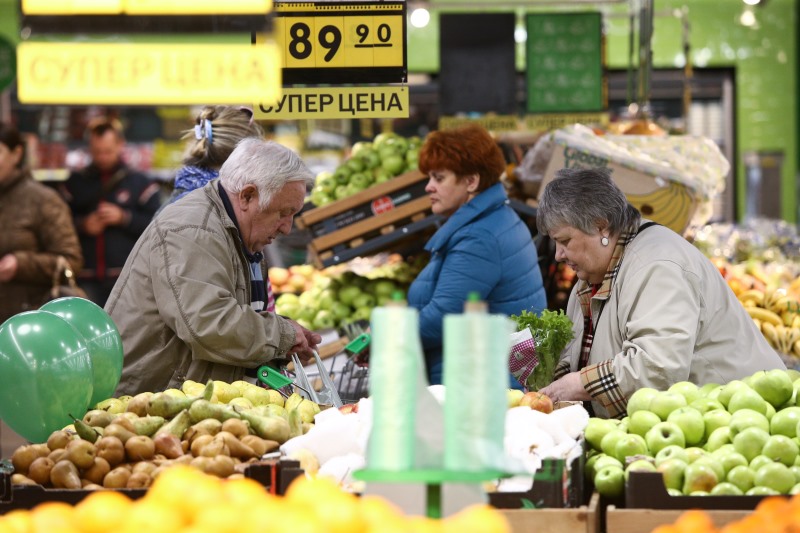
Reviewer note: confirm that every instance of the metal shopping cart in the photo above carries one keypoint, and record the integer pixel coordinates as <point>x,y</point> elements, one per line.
<point>353,379</point>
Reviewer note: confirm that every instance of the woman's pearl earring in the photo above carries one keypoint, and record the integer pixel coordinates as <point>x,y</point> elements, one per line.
<point>604,241</point>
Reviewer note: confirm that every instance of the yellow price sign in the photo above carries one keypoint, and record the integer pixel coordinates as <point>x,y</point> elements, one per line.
<point>342,42</point>
<point>145,7</point>
<point>337,102</point>
<point>147,73</point>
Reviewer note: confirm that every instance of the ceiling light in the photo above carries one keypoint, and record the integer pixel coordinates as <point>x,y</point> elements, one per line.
<point>420,17</point>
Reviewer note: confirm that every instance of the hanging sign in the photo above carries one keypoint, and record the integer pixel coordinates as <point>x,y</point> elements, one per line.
<point>337,102</point>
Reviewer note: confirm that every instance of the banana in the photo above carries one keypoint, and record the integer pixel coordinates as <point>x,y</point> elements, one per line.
<point>796,348</point>
<point>753,295</point>
<point>757,322</point>
<point>770,333</point>
<point>781,332</point>
<point>780,305</point>
<point>764,315</point>
<point>788,318</point>
<point>796,321</point>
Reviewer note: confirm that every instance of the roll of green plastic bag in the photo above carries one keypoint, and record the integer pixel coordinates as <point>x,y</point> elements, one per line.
<point>45,374</point>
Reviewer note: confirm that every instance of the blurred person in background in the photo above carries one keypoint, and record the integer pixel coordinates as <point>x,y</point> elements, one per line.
<point>648,310</point>
<point>216,132</point>
<point>482,247</point>
<point>190,303</point>
<point>36,229</point>
<point>111,206</point>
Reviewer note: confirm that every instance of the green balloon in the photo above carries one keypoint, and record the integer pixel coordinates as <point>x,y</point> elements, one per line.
<point>101,337</point>
<point>45,374</point>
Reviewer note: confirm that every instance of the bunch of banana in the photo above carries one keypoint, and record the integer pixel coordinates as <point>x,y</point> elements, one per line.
<point>777,315</point>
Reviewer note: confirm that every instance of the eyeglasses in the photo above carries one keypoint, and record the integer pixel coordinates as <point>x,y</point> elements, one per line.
<point>249,112</point>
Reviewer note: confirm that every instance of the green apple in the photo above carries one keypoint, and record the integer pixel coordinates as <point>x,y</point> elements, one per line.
<point>359,147</point>
<point>348,294</point>
<point>774,386</point>
<point>759,461</point>
<point>742,477</point>
<point>665,402</point>
<point>639,465</point>
<point>792,373</point>
<point>713,464</point>
<point>596,429</point>
<point>732,460</point>
<point>672,470</point>
<point>707,389</point>
<point>691,422</point>
<point>674,492</point>
<point>610,481</point>
<point>672,451</point>
<point>761,491</point>
<point>723,450</point>
<point>364,300</point>
<point>727,391</point>
<point>361,313</point>
<point>781,448</point>
<point>705,405</point>
<point>623,424</point>
<point>640,422</point>
<point>604,460</point>
<point>689,390</point>
<point>750,441</point>
<point>588,467</point>
<point>726,489</point>
<point>796,471</point>
<point>693,453</point>
<point>324,319</point>
<point>630,445</point>
<point>341,192</point>
<point>770,411</point>
<point>699,477</point>
<point>393,163</point>
<point>361,180</point>
<point>714,420</point>
<point>342,174</point>
<point>746,418</point>
<point>640,400</point>
<point>718,438</point>
<point>775,476</point>
<point>795,490</point>
<point>609,443</point>
<point>371,158</point>
<point>747,398</point>
<point>664,434</point>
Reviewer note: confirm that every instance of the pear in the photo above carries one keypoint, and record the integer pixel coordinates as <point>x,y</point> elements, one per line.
<point>199,443</point>
<point>239,428</point>
<point>139,480</point>
<point>85,431</point>
<point>214,448</point>
<point>40,468</point>
<point>209,426</point>
<point>168,445</point>
<point>147,467</point>
<point>268,428</point>
<point>118,430</point>
<point>21,479</point>
<point>202,409</point>
<point>148,425</point>
<point>167,406</point>
<point>258,445</point>
<point>117,478</point>
<point>140,448</point>
<point>236,448</point>
<point>295,424</point>
<point>57,455</point>
<point>58,439</point>
<point>292,401</point>
<point>98,470</point>
<point>138,404</point>
<point>81,453</point>
<point>25,455</point>
<point>178,425</point>
<point>111,449</point>
<point>222,466</point>
<point>98,418</point>
<point>64,475</point>
<point>112,405</point>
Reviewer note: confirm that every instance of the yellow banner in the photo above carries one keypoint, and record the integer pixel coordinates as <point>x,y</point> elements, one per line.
<point>337,102</point>
<point>146,7</point>
<point>147,73</point>
<point>551,121</point>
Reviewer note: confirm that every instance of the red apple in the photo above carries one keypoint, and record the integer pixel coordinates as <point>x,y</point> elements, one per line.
<point>349,408</point>
<point>537,401</point>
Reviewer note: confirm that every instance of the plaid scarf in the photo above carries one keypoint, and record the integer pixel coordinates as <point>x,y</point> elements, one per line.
<point>587,292</point>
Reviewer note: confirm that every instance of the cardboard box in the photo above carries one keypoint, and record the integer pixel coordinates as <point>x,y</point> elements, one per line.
<point>642,520</point>
<point>667,202</point>
<point>583,519</point>
<point>646,490</point>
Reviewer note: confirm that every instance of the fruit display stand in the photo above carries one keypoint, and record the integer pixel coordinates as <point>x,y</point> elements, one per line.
<point>647,505</point>
<point>370,221</point>
<point>583,519</point>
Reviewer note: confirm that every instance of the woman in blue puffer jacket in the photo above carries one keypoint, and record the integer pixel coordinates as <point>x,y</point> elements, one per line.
<point>483,246</point>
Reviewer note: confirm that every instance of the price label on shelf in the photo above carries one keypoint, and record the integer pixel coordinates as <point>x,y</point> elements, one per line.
<point>342,42</point>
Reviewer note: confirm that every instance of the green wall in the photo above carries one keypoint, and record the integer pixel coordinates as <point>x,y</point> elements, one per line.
<point>765,59</point>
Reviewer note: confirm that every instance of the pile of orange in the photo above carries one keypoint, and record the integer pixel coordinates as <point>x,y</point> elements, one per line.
<point>774,515</point>
<point>185,500</point>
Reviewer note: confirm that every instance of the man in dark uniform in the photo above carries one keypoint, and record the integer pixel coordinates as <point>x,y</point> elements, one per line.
<point>111,206</point>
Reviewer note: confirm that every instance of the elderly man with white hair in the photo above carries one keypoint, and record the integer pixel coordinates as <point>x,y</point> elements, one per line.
<point>190,302</point>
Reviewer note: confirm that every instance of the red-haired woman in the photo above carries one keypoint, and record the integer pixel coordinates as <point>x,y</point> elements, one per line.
<point>483,246</point>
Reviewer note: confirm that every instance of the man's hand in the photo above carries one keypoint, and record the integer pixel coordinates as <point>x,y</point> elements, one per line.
<point>93,225</point>
<point>8,267</point>
<point>568,388</point>
<point>111,214</point>
<point>305,342</point>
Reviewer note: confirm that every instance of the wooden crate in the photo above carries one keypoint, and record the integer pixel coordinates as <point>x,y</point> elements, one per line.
<point>644,520</point>
<point>583,519</point>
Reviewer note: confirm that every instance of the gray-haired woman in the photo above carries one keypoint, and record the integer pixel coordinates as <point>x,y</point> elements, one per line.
<point>649,310</point>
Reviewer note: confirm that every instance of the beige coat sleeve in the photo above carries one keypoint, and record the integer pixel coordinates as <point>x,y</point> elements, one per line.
<point>201,293</point>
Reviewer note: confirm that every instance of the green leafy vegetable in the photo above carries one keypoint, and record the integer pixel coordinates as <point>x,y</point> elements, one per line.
<point>551,331</point>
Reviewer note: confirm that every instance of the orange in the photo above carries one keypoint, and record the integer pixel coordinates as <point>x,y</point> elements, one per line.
<point>186,490</point>
<point>245,492</point>
<point>53,517</point>
<point>102,511</point>
<point>477,518</point>
<point>150,516</point>
<point>18,521</point>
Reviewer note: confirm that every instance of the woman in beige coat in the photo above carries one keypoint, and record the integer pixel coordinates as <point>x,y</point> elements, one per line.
<point>36,228</point>
<point>649,310</point>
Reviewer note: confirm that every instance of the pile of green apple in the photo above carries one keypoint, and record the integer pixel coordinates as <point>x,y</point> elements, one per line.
<point>334,301</point>
<point>370,163</point>
<point>740,438</point>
